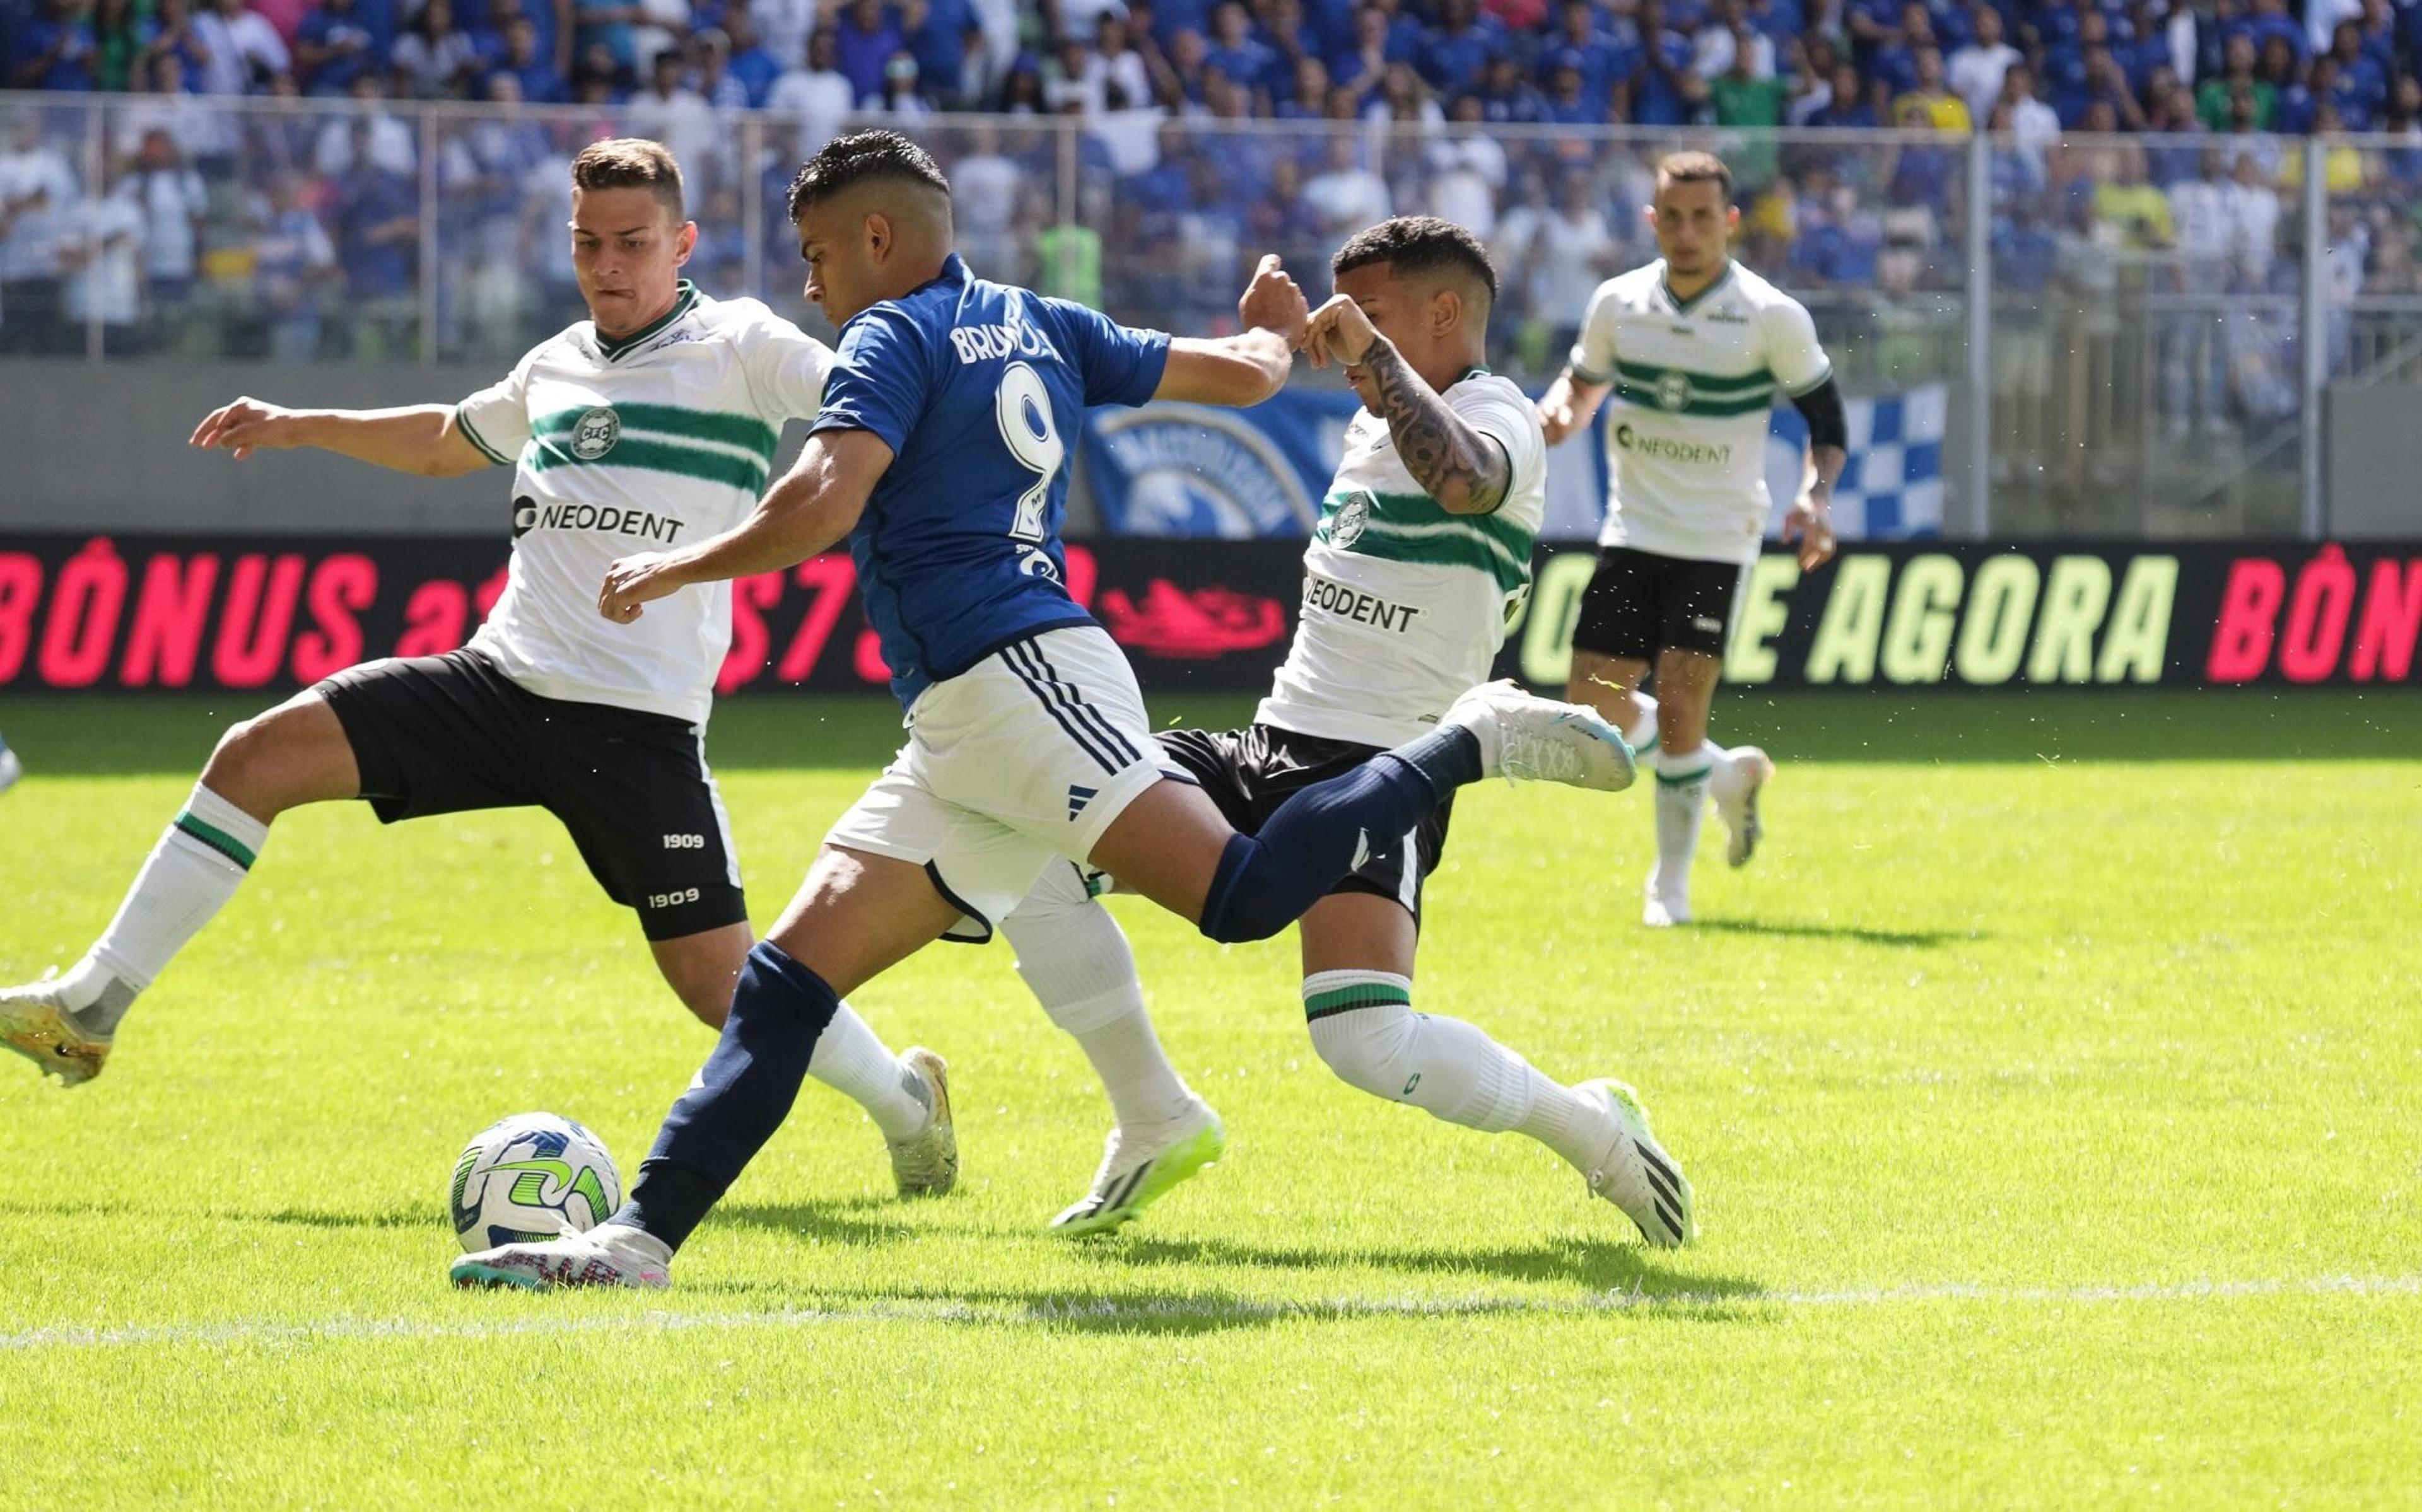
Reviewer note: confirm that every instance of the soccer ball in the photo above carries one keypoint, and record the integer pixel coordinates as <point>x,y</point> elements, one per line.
<point>531,1177</point>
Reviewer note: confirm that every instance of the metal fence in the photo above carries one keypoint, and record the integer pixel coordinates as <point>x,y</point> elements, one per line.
<point>2134,336</point>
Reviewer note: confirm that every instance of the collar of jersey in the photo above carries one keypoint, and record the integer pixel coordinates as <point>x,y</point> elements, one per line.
<point>953,272</point>
<point>1684,306</point>
<point>685,295</point>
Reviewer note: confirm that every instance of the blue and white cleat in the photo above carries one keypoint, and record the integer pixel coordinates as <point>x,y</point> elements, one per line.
<point>610,1254</point>
<point>1636,1174</point>
<point>1525,738</point>
<point>10,768</point>
<point>1140,1167</point>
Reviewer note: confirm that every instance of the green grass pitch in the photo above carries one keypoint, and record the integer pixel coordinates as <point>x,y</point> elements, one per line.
<point>2048,1085</point>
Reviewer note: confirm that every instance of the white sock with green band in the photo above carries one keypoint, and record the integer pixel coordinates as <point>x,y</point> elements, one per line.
<point>1681,803</point>
<point>189,875</point>
<point>1364,1027</point>
<point>1641,734</point>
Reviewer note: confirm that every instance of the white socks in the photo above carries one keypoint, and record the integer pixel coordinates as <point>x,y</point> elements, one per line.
<point>1641,734</point>
<point>1076,960</point>
<point>188,878</point>
<point>1364,1028</point>
<point>852,1061</point>
<point>1681,803</point>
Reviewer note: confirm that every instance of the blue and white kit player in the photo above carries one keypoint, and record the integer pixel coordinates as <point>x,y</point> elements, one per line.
<point>939,456</point>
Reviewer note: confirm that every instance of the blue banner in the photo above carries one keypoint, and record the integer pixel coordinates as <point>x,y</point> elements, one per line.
<point>1189,469</point>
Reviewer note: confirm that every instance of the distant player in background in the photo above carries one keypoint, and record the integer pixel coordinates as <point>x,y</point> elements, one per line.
<point>940,457</point>
<point>654,420</point>
<point>1693,348</point>
<point>1423,547</point>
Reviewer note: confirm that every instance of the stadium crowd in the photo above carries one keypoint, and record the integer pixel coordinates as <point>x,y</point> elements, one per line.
<point>180,189</point>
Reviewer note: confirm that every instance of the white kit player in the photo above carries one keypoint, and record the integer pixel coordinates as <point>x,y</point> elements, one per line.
<point>1422,549</point>
<point>1688,354</point>
<point>653,423</point>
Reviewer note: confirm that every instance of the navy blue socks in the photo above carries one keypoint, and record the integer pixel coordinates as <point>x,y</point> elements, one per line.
<point>745,1091</point>
<point>1266,881</point>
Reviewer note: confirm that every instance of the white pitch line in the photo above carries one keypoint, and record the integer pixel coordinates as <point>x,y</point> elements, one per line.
<point>1238,1311</point>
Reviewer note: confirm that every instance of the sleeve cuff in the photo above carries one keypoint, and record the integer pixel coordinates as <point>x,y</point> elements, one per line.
<point>471,433</point>
<point>1824,376</point>
<point>1584,375</point>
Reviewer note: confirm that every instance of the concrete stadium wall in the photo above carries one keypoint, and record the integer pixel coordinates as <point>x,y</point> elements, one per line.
<point>102,447</point>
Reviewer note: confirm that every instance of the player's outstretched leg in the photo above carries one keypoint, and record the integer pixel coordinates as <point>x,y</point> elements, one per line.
<point>1265,880</point>
<point>1363,1026</point>
<point>856,915</point>
<point>1077,961</point>
<point>295,753</point>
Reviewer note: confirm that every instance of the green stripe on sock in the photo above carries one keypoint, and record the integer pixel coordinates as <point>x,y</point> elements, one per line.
<point>217,839</point>
<point>1684,780</point>
<point>1360,995</point>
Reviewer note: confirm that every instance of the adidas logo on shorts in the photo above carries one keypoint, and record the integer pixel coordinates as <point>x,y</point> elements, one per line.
<point>1079,796</point>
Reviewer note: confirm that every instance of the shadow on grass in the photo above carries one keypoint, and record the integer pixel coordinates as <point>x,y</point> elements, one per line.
<point>838,1220</point>
<point>1594,1264</point>
<point>1901,939</point>
<point>430,1217</point>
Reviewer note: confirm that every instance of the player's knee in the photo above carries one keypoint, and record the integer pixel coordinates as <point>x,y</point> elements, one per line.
<point>1367,1048</point>
<point>242,764</point>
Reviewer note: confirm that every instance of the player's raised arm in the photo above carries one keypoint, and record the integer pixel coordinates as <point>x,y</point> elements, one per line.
<point>1466,472</point>
<point>1249,367</point>
<point>427,440</point>
<point>812,508</point>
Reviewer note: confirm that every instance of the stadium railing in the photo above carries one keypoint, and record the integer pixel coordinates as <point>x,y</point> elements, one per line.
<point>2137,338</point>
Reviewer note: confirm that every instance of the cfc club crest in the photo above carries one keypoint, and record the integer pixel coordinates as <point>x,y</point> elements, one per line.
<point>1352,516</point>
<point>595,434</point>
<point>1673,391</point>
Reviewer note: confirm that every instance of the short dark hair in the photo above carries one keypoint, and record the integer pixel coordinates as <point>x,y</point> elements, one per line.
<point>1695,168</point>
<point>1418,244</point>
<point>631,163</point>
<point>862,158</point>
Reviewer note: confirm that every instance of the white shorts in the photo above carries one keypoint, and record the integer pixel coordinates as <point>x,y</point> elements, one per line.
<point>1024,757</point>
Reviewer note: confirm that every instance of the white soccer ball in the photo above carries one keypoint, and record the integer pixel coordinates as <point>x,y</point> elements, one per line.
<point>531,1177</point>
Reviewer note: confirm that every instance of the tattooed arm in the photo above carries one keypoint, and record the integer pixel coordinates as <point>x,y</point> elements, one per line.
<point>1465,470</point>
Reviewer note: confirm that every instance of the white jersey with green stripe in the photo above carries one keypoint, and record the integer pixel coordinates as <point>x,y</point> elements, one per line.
<point>1693,385</point>
<point>624,445</point>
<point>1404,605</point>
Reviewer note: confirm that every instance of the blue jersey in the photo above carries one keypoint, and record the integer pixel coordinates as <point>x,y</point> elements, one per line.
<point>979,389</point>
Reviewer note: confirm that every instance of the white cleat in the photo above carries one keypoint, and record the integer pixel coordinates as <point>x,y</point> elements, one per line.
<point>36,1024</point>
<point>1636,1174</point>
<point>10,769</point>
<point>1142,1166</point>
<point>1750,770</point>
<point>926,1164</point>
<point>1525,737</point>
<point>610,1254</point>
<point>1666,906</point>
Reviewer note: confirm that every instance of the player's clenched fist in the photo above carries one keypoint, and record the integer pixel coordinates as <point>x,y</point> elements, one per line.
<point>246,426</point>
<point>634,582</point>
<point>1273,303</point>
<point>1338,330</point>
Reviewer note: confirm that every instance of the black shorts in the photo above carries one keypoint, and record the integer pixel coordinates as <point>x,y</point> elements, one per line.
<point>1639,603</point>
<point>1250,773</point>
<point>448,734</point>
